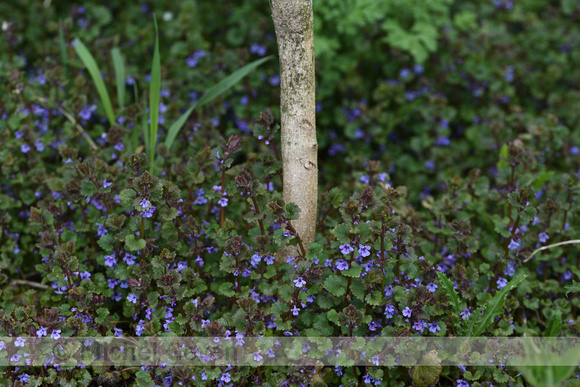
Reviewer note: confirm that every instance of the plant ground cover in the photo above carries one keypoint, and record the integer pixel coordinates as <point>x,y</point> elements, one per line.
<point>449,153</point>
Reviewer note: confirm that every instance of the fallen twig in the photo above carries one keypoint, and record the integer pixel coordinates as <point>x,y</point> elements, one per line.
<point>29,283</point>
<point>550,246</point>
<point>69,116</point>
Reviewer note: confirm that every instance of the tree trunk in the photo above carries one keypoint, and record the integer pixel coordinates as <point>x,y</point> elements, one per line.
<point>293,22</point>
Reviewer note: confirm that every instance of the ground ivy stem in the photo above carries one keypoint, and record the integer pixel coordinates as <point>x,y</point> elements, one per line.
<point>292,229</point>
<point>568,197</point>
<point>257,210</point>
<point>223,209</point>
<point>275,148</point>
<point>142,228</point>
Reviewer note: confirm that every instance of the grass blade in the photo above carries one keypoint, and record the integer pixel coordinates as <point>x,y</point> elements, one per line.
<point>63,53</point>
<point>154,96</point>
<point>554,324</point>
<point>493,308</point>
<point>135,133</point>
<point>145,126</point>
<point>229,81</point>
<point>91,65</point>
<point>214,92</point>
<point>119,67</point>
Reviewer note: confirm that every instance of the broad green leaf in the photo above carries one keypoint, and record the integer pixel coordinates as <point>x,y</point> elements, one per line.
<point>133,243</point>
<point>225,289</point>
<point>336,285</point>
<point>154,96</point>
<point>449,291</point>
<point>574,288</point>
<point>427,372</point>
<point>332,315</point>
<point>106,242</point>
<point>278,308</point>
<point>93,69</point>
<point>503,157</point>
<point>119,67</point>
<point>354,271</point>
<point>127,196</point>
<point>341,232</point>
<point>492,308</point>
<point>102,314</point>
<point>214,92</point>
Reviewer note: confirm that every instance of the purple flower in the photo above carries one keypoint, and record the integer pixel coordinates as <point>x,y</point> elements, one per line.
<point>240,339</point>
<point>55,334</point>
<point>389,291</point>
<point>102,230</point>
<point>118,332</point>
<point>86,275</point>
<point>465,314</point>
<point>462,383</point>
<point>346,249</point>
<point>149,212</point>
<point>420,325</point>
<point>87,111</point>
<point>432,287</point>
<point>226,378</point>
<point>373,326</point>
<point>256,48</point>
<point>129,259</point>
<point>257,356</point>
<point>106,184</point>
<point>275,80</point>
<point>16,357</point>
<point>513,245</point>
<point>20,342</point>
<point>256,258</point>
<point>430,165</point>
<point>191,61</point>
<point>132,298</point>
<point>407,312</point>
<point>418,68</point>
<point>404,73</point>
<point>295,310</point>
<point>145,203</point>
<point>543,237</point>
<point>365,251</point>
<point>299,282</point>
<point>25,148</point>
<point>365,179</point>
<point>39,145</point>
<point>110,260</point>
<point>23,378</point>
<point>269,259</point>
<point>390,310</point>
<point>442,141</point>
<point>434,327</point>
<point>501,283</point>
<point>341,265</point>
<point>223,202</point>
<point>42,332</point>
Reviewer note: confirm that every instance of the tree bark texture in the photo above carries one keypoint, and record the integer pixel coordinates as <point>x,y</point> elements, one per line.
<point>293,22</point>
